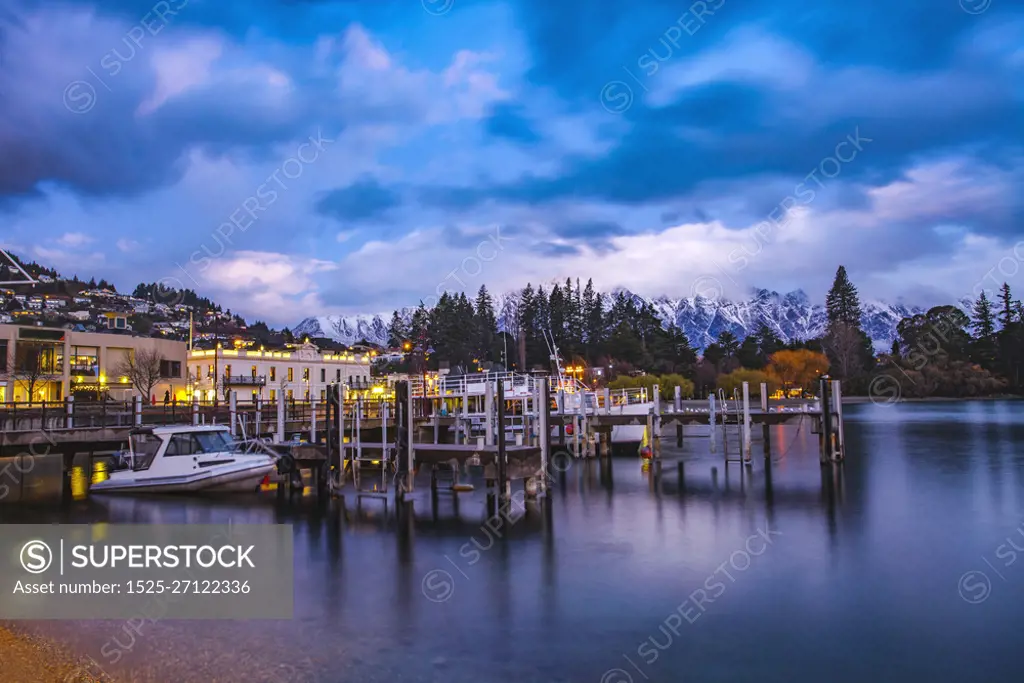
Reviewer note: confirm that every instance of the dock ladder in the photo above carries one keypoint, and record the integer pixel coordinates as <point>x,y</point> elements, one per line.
<point>371,463</point>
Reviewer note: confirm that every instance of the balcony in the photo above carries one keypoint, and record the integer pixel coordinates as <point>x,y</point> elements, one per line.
<point>245,381</point>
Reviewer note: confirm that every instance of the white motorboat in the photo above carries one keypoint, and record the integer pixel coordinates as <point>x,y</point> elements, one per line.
<point>186,459</point>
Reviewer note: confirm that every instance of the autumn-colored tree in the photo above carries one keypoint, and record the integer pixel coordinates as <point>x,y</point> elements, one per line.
<point>666,384</point>
<point>797,368</point>
<point>735,379</point>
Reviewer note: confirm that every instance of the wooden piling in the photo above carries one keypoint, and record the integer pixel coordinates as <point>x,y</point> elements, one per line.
<point>746,422</point>
<point>656,433</point>
<point>502,465</point>
<point>712,423</point>
<point>280,416</point>
<point>678,408</point>
<point>544,430</point>
<point>489,411</point>
<point>437,418</point>
<point>837,401</point>
<point>826,420</point>
<point>766,435</point>
<point>410,440</point>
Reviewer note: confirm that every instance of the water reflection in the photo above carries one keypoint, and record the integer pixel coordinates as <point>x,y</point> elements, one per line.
<point>865,568</point>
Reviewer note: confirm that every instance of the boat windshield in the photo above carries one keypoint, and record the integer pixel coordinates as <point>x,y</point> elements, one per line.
<point>144,447</point>
<point>214,442</point>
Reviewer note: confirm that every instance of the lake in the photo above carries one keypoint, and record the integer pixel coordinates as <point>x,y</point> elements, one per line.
<point>902,565</point>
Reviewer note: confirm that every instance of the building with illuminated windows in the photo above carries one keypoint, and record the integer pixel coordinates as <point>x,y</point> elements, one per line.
<point>52,363</point>
<point>298,373</point>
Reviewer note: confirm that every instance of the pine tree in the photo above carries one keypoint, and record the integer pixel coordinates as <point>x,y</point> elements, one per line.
<point>984,326</point>
<point>842,303</point>
<point>593,322</point>
<point>527,326</point>
<point>397,330</point>
<point>983,322</point>
<point>1006,315</point>
<point>728,342</point>
<point>486,326</point>
<point>847,345</point>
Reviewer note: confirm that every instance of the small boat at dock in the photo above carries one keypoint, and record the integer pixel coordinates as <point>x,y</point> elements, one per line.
<point>186,459</point>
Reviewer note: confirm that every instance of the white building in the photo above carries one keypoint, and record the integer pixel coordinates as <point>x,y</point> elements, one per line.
<point>299,374</point>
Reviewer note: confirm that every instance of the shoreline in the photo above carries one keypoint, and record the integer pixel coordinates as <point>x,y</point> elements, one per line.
<point>930,399</point>
<point>27,658</point>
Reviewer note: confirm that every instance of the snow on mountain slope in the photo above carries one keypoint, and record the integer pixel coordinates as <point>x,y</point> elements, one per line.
<point>792,316</point>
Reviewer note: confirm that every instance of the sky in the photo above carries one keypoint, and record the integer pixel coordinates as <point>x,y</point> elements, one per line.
<point>290,158</point>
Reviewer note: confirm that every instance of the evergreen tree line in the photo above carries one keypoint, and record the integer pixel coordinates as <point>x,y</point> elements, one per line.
<point>621,333</point>
<point>626,335</point>
<point>945,351</point>
<point>161,294</point>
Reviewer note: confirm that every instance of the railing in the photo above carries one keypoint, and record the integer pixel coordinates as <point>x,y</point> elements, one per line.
<point>50,415</point>
<point>514,384</point>
<point>623,397</point>
<point>245,380</point>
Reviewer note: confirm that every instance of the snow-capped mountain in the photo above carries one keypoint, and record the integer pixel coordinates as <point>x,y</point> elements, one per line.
<point>347,330</point>
<point>792,316</point>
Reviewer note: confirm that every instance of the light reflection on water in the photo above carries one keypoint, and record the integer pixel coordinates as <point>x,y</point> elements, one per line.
<point>862,583</point>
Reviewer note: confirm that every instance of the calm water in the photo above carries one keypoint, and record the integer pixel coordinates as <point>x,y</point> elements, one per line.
<point>899,569</point>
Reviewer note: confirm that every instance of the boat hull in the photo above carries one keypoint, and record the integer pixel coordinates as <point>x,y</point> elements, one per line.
<point>236,479</point>
<point>625,434</point>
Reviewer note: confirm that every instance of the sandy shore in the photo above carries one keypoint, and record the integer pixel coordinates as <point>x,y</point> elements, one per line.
<point>29,659</point>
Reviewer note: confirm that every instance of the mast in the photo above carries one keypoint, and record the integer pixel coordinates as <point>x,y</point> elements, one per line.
<point>29,280</point>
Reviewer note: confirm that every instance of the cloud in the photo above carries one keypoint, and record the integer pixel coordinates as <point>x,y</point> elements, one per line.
<point>492,117</point>
<point>363,200</point>
<point>73,239</point>
<point>508,122</point>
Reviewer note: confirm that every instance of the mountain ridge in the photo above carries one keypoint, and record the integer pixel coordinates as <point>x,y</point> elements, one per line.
<point>792,316</point>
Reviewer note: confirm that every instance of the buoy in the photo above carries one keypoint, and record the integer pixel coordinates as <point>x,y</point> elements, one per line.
<point>568,430</point>
<point>645,452</point>
<point>462,488</point>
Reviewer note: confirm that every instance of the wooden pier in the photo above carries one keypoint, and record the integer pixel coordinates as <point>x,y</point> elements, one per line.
<point>380,445</point>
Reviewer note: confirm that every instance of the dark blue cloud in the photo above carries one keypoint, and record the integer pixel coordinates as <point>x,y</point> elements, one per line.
<point>709,136</point>
<point>508,122</point>
<point>553,250</point>
<point>590,229</point>
<point>365,199</point>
